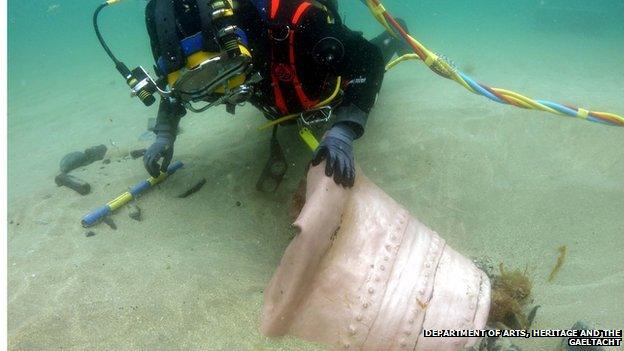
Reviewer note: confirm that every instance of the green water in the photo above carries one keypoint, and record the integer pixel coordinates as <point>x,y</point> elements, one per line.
<point>492,180</point>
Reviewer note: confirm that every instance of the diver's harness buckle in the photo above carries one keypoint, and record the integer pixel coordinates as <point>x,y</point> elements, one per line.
<point>315,116</point>
<point>279,32</point>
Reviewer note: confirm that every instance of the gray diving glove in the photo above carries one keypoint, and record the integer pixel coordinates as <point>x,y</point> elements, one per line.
<point>161,148</point>
<point>337,149</point>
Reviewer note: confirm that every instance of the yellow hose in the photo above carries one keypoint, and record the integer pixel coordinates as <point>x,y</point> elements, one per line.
<point>295,115</point>
<point>446,70</point>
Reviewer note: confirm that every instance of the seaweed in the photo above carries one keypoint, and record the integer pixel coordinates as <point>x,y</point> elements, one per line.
<point>511,292</point>
<point>532,314</point>
<point>563,253</point>
<point>192,190</point>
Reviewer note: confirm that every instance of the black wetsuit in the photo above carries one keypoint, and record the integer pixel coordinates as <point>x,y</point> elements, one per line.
<point>361,67</point>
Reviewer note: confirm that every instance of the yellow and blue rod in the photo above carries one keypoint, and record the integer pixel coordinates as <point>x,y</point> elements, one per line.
<point>443,68</point>
<point>96,215</point>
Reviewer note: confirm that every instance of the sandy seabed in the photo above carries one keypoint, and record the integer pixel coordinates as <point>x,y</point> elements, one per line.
<point>492,180</point>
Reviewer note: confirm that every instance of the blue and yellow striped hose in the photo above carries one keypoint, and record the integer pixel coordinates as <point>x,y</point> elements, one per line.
<point>96,215</point>
<point>443,68</point>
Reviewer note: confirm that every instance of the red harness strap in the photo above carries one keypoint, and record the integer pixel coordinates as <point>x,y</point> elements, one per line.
<point>286,72</point>
<point>303,98</point>
<point>300,10</point>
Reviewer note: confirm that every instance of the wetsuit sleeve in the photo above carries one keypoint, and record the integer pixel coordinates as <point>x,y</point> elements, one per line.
<point>362,70</point>
<point>168,117</point>
<point>169,111</point>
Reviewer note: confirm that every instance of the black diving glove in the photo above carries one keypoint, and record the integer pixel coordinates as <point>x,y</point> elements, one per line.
<point>337,149</point>
<point>161,148</point>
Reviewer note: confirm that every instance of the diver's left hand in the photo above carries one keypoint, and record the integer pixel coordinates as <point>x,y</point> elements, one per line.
<point>337,148</point>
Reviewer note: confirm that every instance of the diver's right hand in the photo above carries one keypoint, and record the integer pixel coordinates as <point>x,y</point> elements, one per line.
<point>161,148</point>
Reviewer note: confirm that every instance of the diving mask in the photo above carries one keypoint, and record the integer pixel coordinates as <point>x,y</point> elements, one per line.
<point>196,69</point>
<point>201,81</point>
<point>216,78</point>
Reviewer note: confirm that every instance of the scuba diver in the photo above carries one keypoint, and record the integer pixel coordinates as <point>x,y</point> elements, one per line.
<point>290,58</point>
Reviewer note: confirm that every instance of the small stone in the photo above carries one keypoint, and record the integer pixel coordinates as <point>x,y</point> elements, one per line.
<point>238,203</point>
<point>90,233</point>
<point>106,161</point>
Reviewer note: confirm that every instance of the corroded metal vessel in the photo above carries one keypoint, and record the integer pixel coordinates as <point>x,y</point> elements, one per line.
<point>362,274</point>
